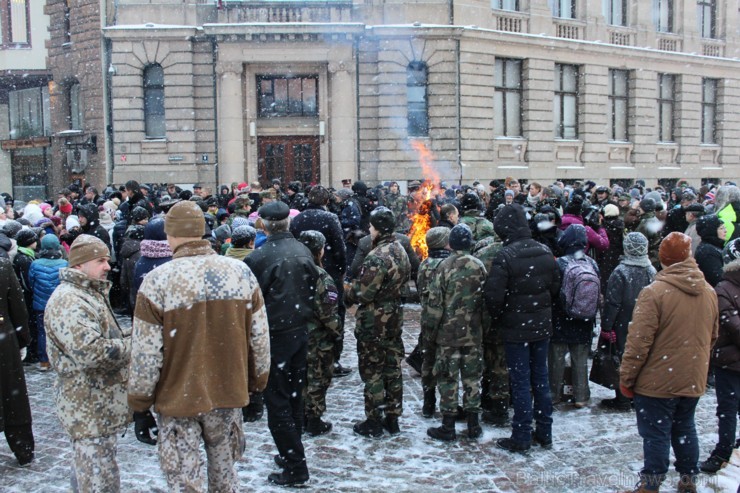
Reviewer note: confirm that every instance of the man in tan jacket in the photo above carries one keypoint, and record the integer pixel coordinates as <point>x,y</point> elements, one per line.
<point>200,345</point>
<point>665,363</point>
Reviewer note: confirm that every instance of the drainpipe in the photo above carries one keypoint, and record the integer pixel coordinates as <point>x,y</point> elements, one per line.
<point>357,104</point>
<point>214,48</point>
<point>459,104</point>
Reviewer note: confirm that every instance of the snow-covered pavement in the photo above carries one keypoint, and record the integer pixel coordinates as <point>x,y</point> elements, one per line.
<point>594,450</point>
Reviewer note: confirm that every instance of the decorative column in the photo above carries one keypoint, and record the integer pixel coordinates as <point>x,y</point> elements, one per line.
<point>231,164</point>
<point>342,134</point>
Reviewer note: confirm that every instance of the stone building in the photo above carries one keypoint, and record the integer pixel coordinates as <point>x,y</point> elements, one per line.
<point>217,91</point>
<point>25,127</point>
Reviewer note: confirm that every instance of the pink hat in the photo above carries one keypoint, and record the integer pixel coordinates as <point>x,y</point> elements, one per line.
<point>44,206</point>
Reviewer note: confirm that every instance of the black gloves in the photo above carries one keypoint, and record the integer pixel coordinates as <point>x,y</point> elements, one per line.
<point>145,426</point>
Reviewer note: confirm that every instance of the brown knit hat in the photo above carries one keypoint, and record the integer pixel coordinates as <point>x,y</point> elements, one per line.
<point>675,248</point>
<point>86,248</point>
<point>185,220</point>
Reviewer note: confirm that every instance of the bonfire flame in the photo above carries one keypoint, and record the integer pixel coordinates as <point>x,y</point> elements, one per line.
<point>422,220</point>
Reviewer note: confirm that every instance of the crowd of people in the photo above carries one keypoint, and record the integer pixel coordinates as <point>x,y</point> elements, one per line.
<point>239,300</point>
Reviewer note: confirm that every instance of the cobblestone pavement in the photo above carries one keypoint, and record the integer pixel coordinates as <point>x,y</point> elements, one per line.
<point>593,450</point>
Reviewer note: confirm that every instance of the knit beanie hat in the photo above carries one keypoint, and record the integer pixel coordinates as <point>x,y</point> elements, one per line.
<point>575,205</point>
<point>461,238</point>
<point>675,248</point>
<point>11,228</point>
<point>64,206</point>
<point>437,238</point>
<point>50,242</point>
<point>470,201</point>
<point>154,230</point>
<point>611,210</point>
<point>185,220</point>
<point>71,222</point>
<point>706,226</point>
<point>86,248</point>
<point>139,214</point>
<point>26,238</point>
<point>314,240</point>
<point>242,235</point>
<point>635,245</point>
<point>238,222</point>
<point>383,220</point>
<point>647,205</point>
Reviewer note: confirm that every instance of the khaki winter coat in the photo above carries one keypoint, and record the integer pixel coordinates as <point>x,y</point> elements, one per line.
<point>673,328</point>
<point>90,353</point>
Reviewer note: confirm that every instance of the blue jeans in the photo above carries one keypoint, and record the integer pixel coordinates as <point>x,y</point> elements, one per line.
<point>663,423</point>
<point>527,365</point>
<point>41,337</point>
<point>727,385</point>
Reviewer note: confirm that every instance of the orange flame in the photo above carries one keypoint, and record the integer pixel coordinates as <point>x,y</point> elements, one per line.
<point>421,221</point>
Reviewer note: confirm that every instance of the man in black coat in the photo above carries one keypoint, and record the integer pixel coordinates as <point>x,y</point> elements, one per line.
<point>317,218</point>
<point>15,412</point>
<point>522,283</point>
<point>89,217</point>
<point>287,275</point>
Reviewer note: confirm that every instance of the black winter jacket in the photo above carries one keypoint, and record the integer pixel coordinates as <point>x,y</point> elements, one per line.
<point>335,253</point>
<point>523,281</point>
<point>623,288</point>
<point>93,227</point>
<point>609,259</point>
<point>287,275</point>
<point>709,259</point>
<point>726,351</point>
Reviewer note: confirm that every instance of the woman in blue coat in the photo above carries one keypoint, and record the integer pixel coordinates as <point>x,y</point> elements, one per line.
<point>44,278</point>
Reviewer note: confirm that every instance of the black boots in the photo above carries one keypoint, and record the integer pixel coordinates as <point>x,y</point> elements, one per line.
<point>474,429</point>
<point>315,426</point>
<point>430,402</point>
<point>369,428</point>
<point>446,432</point>
<point>714,463</point>
<point>415,359</point>
<point>144,426</point>
<point>289,478</point>
<point>255,409</point>
<point>390,423</point>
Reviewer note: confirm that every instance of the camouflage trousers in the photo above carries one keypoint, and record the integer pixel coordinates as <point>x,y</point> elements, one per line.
<point>179,450</point>
<point>495,381</point>
<point>379,353</point>
<point>429,355</point>
<point>319,371</point>
<point>95,468</point>
<point>452,365</point>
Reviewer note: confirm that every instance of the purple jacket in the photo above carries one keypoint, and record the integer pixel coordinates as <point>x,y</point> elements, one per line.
<point>596,239</point>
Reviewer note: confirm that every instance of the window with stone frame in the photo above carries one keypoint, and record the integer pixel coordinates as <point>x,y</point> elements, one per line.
<point>15,27</point>
<point>616,12</point>
<point>663,15</point>
<point>76,107</point>
<point>288,96</point>
<point>709,111</point>
<point>565,102</point>
<point>619,105</point>
<point>666,107</point>
<point>417,101</point>
<point>706,14</point>
<point>507,98</point>
<point>154,116</point>
<point>28,111</point>
<point>564,9</point>
<point>505,5</point>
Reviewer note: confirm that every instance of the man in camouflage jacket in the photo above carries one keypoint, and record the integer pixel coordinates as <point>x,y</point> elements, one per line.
<point>471,215</point>
<point>200,344</point>
<point>453,312</point>
<point>495,381</point>
<point>379,321</point>
<point>437,239</point>
<point>90,353</point>
<point>323,332</point>
<point>399,204</point>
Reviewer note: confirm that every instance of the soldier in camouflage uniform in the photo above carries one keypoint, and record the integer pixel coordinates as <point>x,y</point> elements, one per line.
<point>323,333</point>
<point>495,381</point>
<point>399,204</point>
<point>453,312</point>
<point>200,345</point>
<point>471,215</point>
<point>379,321</point>
<point>437,239</point>
<point>90,353</point>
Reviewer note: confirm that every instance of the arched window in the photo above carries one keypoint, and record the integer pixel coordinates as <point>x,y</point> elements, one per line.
<point>416,93</point>
<point>76,108</point>
<point>154,102</point>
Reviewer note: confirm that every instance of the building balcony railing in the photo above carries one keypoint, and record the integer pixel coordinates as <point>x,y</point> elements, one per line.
<point>509,21</point>
<point>621,36</point>
<point>712,47</point>
<point>569,29</point>
<point>669,42</point>
<point>297,11</point>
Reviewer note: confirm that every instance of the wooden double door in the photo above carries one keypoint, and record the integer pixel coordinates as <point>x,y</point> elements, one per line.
<point>289,158</point>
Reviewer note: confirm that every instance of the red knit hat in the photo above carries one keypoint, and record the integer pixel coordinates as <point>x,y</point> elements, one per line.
<point>675,248</point>
<point>64,206</point>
